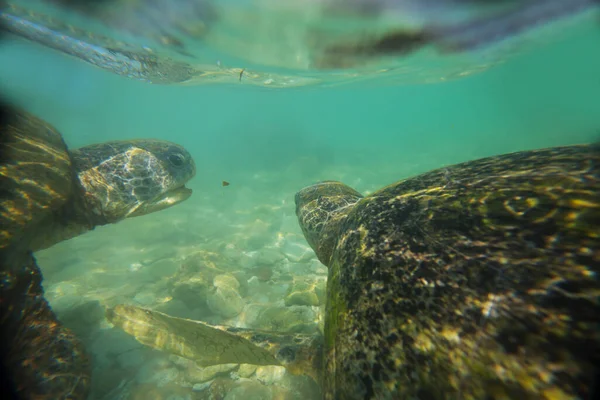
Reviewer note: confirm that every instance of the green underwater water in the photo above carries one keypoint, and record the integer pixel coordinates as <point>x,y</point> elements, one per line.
<point>546,97</point>
<point>270,143</point>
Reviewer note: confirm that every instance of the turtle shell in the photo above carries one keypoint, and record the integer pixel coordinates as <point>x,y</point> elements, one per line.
<point>36,176</point>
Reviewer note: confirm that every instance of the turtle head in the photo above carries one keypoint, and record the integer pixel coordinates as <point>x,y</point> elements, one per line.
<point>320,209</point>
<point>131,178</point>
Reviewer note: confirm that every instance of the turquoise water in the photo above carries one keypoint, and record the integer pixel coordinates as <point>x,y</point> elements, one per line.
<point>268,144</point>
<point>544,98</point>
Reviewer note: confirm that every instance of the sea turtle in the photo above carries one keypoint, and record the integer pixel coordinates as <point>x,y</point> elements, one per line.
<point>475,281</point>
<point>50,194</point>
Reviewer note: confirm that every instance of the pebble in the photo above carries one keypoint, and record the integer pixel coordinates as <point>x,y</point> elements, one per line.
<point>197,374</point>
<point>296,319</point>
<point>269,374</point>
<point>246,370</point>
<point>304,298</point>
<point>297,252</point>
<point>226,280</point>
<point>225,301</point>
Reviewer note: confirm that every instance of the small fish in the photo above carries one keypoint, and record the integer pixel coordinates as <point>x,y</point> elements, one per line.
<point>225,183</point>
<point>242,73</point>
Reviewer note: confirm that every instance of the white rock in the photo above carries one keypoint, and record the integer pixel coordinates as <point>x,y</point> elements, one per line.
<point>196,374</point>
<point>246,370</point>
<point>229,281</point>
<point>269,374</point>
<point>225,301</point>
<point>297,252</point>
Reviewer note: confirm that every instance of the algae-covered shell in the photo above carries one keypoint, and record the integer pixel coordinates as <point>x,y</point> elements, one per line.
<point>469,282</point>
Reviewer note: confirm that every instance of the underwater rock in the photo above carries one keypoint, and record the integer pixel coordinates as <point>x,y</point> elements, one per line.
<point>225,300</point>
<point>246,370</point>
<point>152,271</point>
<point>231,251</point>
<point>306,291</point>
<point>194,280</point>
<point>249,390</point>
<point>200,387</point>
<point>219,388</point>
<point>295,269</point>
<point>270,374</point>
<point>266,292</point>
<point>200,261</point>
<point>226,280</point>
<point>191,291</point>
<point>294,319</point>
<point>295,251</point>
<point>269,256</point>
<point>248,259</point>
<point>250,314</point>
<point>262,272</point>
<point>196,374</point>
<point>242,278</point>
<point>145,298</point>
<point>302,298</point>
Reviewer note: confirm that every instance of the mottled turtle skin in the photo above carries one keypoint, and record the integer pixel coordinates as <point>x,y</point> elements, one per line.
<point>476,281</point>
<point>50,194</point>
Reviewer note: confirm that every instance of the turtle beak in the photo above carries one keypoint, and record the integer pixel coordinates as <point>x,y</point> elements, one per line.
<point>166,200</point>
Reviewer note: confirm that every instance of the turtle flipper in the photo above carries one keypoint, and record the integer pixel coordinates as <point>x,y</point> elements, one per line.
<point>43,358</point>
<point>217,344</point>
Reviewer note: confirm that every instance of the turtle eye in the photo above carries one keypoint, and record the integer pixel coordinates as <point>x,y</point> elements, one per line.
<point>176,159</point>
